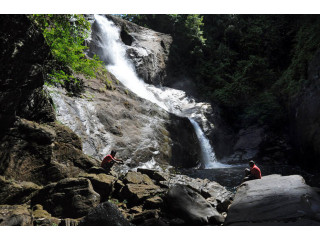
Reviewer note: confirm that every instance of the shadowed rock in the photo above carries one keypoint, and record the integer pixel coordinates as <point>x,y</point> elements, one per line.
<point>42,153</point>
<point>16,193</point>
<point>70,197</point>
<point>105,214</point>
<point>15,215</point>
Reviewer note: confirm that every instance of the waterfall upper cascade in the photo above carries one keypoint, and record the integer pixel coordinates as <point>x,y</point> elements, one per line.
<point>88,120</point>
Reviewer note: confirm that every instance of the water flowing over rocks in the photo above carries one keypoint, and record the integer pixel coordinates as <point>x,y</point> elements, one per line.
<point>275,200</point>
<point>148,50</point>
<point>139,130</point>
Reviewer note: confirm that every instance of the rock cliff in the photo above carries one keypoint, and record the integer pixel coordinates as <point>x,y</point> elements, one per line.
<point>305,118</point>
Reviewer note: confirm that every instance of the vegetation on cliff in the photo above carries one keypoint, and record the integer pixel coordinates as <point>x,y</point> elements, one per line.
<point>65,35</point>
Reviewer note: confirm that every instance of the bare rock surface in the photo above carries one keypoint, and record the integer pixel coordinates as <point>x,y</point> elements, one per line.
<point>105,214</point>
<point>275,200</point>
<point>15,215</point>
<point>70,197</point>
<point>191,206</point>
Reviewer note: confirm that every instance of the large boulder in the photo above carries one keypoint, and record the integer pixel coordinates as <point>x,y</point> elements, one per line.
<point>102,184</point>
<point>137,178</point>
<point>137,193</point>
<point>275,200</point>
<point>190,206</point>
<point>42,153</point>
<point>69,198</point>
<point>136,188</point>
<point>13,192</point>
<point>154,174</point>
<point>105,214</point>
<point>15,215</point>
<point>218,196</point>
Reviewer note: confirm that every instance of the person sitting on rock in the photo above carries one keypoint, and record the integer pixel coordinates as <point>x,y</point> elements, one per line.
<point>253,173</point>
<point>109,160</point>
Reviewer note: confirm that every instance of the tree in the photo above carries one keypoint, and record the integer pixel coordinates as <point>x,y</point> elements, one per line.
<point>65,34</point>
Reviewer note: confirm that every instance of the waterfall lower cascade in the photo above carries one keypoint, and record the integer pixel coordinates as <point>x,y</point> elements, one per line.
<point>172,100</point>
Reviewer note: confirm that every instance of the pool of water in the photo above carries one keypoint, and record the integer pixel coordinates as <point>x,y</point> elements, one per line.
<point>232,177</point>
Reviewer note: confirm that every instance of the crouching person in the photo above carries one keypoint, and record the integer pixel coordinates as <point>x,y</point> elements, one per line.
<point>253,173</point>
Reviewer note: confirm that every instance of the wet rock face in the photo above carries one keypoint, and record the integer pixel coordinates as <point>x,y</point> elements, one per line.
<point>186,148</point>
<point>140,131</point>
<point>22,55</point>
<point>305,118</point>
<point>275,200</point>
<point>147,49</point>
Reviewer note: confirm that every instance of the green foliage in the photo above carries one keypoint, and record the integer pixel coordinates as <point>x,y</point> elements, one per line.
<point>307,42</point>
<point>265,108</point>
<point>65,34</point>
<point>193,25</point>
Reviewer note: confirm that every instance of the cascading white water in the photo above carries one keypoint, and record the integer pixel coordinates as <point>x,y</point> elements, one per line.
<point>208,156</point>
<point>172,100</point>
<point>119,65</point>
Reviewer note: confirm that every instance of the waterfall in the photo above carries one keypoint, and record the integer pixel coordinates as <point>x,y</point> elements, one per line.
<point>118,64</point>
<point>172,100</point>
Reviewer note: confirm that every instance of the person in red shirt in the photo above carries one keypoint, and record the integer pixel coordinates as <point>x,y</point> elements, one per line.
<point>109,160</point>
<point>253,173</point>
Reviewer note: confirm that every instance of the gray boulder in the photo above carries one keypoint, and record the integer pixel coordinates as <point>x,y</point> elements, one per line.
<point>105,214</point>
<point>190,206</point>
<point>275,200</point>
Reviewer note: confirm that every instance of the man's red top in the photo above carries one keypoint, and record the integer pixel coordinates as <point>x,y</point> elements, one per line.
<point>255,171</point>
<point>106,160</point>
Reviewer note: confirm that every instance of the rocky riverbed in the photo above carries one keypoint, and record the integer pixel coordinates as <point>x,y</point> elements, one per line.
<point>148,197</point>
